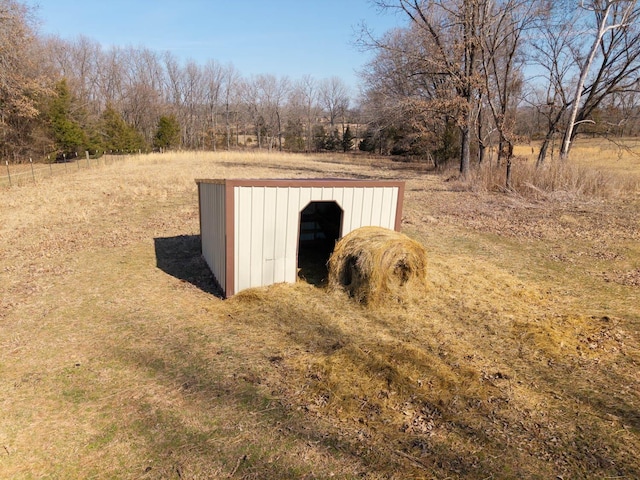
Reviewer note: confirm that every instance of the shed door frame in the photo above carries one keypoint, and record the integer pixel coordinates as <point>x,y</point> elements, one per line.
<point>322,228</point>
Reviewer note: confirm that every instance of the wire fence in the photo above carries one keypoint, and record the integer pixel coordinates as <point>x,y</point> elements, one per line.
<point>18,174</point>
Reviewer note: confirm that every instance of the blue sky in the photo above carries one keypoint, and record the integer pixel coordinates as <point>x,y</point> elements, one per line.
<point>278,37</point>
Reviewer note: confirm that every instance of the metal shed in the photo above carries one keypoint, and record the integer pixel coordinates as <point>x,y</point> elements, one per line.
<point>260,232</point>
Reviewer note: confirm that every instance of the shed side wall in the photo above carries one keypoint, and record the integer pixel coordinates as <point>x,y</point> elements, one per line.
<point>212,229</point>
<point>266,225</point>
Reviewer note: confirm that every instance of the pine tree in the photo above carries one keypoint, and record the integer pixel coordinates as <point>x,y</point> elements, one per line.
<point>293,136</point>
<point>118,135</point>
<point>68,135</point>
<point>167,133</point>
<point>332,142</point>
<point>368,143</point>
<point>347,140</point>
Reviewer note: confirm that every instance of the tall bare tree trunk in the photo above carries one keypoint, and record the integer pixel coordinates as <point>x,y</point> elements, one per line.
<point>603,28</point>
<point>481,145</point>
<point>465,151</point>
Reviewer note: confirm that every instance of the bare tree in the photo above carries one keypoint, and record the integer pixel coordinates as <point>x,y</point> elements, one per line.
<point>272,94</point>
<point>213,79</point>
<point>616,37</point>
<point>142,78</point>
<point>582,71</point>
<point>295,129</point>
<point>85,55</point>
<point>394,96</point>
<point>409,105</point>
<point>111,79</point>
<point>20,81</point>
<point>502,64</point>
<point>77,61</point>
<point>551,54</point>
<point>251,103</point>
<point>333,97</point>
<point>448,33</point>
<point>175,93</point>
<point>230,82</point>
<point>307,89</point>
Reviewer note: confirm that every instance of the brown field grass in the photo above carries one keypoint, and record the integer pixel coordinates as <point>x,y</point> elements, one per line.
<point>597,168</point>
<point>117,361</point>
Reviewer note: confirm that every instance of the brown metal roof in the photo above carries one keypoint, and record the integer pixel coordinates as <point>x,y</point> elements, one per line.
<point>303,182</point>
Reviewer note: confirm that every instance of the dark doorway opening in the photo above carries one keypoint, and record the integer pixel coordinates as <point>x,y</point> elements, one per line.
<point>320,228</point>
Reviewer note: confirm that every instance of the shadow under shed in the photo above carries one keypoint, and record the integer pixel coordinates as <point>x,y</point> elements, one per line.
<point>181,258</point>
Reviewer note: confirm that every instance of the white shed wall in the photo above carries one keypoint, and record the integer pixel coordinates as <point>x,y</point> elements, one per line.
<point>266,223</point>
<point>212,226</point>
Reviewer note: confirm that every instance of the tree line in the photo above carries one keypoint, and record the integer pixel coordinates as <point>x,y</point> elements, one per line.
<point>465,75</point>
<point>460,80</point>
<point>59,97</point>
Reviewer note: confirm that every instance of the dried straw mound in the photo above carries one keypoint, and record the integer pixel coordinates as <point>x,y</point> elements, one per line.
<point>377,266</point>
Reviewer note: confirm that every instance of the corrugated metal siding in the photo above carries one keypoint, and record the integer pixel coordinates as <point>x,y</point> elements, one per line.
<point>369,207</point>
<point>266,222</point>
<point>212,217</point>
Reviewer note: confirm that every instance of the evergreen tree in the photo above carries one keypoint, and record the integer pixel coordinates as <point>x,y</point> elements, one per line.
<point>347,140</point>
<point>118,135</point>
<point>332,142</point>
<point>167,133</point>
<point>319,136</point>
<point>294,136</point>
<point>368,143</point>
<point>68,135</point>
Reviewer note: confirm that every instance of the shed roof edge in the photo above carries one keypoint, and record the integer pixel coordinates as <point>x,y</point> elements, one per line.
<point>302,182</point>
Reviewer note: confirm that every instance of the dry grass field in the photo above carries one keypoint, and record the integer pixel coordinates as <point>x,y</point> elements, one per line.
<point>117,360</point>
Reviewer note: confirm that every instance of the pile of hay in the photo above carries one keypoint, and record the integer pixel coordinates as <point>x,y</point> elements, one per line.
<point>377,266</point>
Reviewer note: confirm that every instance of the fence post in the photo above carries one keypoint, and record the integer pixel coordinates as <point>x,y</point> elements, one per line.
<point>50,167</point>
<point>8,173</point>
<point>33,175</point>
<point>87,154</point>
